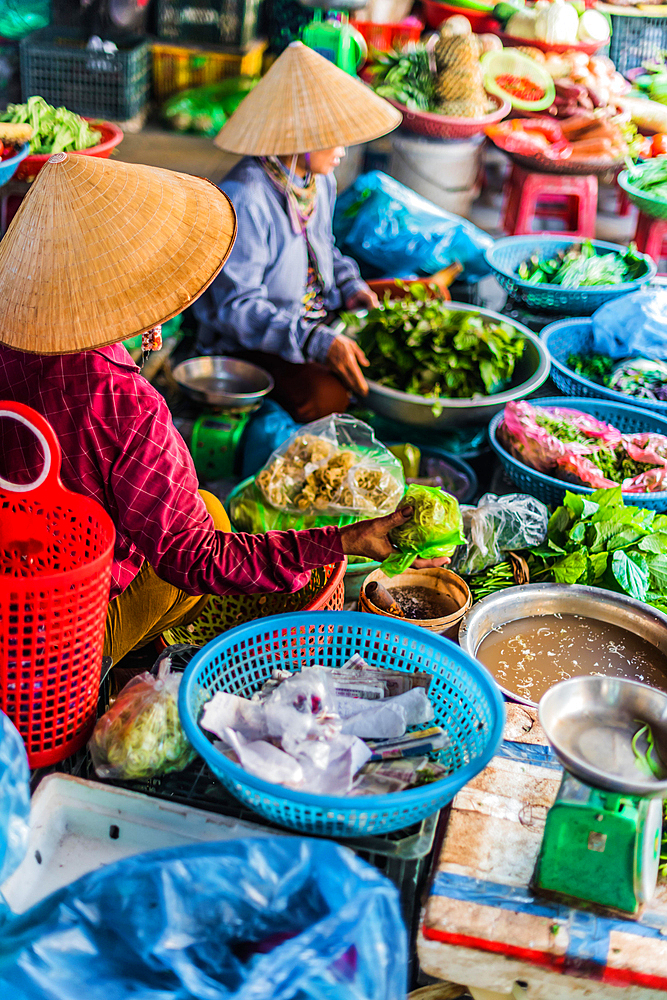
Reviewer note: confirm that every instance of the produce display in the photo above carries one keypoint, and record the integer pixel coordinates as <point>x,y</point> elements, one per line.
<point>598,541</point>
<point>585,137</point>
<point>433,532</point>
<point>643,378</point>
<point>420,346</point>
<point>574,446</point>
<point>518,79</point>
<point>54,130</point>
<point>553,22</point>
<point>580,266</point>
<point>206,109</point>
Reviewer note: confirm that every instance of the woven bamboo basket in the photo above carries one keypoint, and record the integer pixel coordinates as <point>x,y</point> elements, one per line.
<point>441,581</point>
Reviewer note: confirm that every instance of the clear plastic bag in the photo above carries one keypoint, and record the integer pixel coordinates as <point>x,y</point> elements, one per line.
<point>249,511</point>
<point>433,532</point>
<point>141,735</point>
<point>276,918</point>
<point>332,467</point>
<point>500,524</point>
<point>14,798</point>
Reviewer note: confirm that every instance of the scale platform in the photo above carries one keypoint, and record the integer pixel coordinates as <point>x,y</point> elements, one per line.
<point>483,926</point>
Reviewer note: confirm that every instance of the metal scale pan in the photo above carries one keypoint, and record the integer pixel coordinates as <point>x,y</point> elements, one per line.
<point>225,383</point>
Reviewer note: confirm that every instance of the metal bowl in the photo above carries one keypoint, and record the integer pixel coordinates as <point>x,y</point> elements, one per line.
<point>591,723</point>
<point>224,382</point>
<point>534,599</point>
<point>531,371</point>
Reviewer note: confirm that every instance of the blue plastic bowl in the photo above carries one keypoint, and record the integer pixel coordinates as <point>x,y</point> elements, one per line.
<point>506,254</point>
<point>467,701</point>
<point>628,420</point>
<point>8,167</point>
<point>575,336</point>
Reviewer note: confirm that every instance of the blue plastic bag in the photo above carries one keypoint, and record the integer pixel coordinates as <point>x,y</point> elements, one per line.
<point>275,918</point>
<point>266,431</point>
<point>633,325</point>
<point>14,798</point>
<point>398,233</point>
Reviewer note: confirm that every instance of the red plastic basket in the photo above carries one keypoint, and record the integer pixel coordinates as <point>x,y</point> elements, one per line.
<point>111,135</point>
<point>435,13</point>
<point>385,37</point>
<point>511,41</point>
<point>56,549</point>
<point>436,126</point>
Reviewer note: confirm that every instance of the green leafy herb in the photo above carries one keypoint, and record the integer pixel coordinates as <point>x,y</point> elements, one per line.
<point>581,266</point>
<point>596,367</point>
<point>54,130</point>
<point>406,77</point>
<point>420,346</point>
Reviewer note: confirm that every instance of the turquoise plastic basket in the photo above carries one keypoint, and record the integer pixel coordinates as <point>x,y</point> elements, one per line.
<point>506,254</point>
<point>467,702</point>
<point>575,336</point>
<point>628,420</point>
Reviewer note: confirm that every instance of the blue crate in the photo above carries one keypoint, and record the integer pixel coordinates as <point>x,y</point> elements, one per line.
<point>506,254</point>
<point>548,489</point>
<point>467,702</point>
<point>575,336</point>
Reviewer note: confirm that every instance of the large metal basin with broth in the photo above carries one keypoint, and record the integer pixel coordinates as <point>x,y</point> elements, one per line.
<point>547,599</point>
<point>531,371</point>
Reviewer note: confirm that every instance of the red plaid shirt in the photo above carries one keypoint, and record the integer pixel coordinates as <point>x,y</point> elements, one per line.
<point>120,447</point>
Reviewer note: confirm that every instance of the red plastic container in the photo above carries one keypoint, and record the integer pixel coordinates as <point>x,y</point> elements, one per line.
<point>385,37</point>
<point>512,42</point>
<point>56,549</point>
<point>111,136</point>
<point>435,13</point>
<point>436,126</point>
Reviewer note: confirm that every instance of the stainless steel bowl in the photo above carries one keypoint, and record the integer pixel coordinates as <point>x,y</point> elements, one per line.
<point>535,599</point>
<point>531,371</point>
<point>224,382</point>
<point>591,723</point>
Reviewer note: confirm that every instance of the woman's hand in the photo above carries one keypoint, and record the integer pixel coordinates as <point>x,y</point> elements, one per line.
<point>364,298</point>
<point>344,358</point>
<point>371,538</point>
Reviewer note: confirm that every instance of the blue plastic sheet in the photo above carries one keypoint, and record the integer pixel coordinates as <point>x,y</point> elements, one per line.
<point>395,231</point>
<point>633,325</point>
<point>14,798</point>
<point>275,918</point>
<point>266,431</point>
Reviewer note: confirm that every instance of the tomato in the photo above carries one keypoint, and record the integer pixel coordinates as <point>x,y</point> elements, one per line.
<point>659,144</point>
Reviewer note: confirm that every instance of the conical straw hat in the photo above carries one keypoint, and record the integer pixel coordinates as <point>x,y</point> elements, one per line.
<point>305,103</point>
<point>100,251</point>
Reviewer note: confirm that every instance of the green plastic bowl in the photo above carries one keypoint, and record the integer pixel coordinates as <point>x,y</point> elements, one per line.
<point>645,202</point>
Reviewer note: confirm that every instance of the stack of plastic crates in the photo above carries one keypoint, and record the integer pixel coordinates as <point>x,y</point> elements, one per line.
<point>636,38</point>
<point>179,67</point>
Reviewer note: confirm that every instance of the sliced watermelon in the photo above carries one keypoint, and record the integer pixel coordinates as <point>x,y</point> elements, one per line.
<point>518,79</point>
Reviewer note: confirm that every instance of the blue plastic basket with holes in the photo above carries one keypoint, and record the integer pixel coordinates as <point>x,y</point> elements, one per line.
<point>506,254</point>
<point>575,336</point>
<point>467,702</point>
<point>548,489</point>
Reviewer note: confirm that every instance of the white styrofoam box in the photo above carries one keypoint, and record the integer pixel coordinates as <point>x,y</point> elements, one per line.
<point>78,826</point>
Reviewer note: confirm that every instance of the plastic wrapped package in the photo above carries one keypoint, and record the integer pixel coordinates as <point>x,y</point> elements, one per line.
<point>433,532</point>
<point>642,378</point>
<point>276,918</point>
<point>500,524</point>
<point>141,735</point>
<point>332,467</point>
<point>394,231</point>
<point>249,511</point>
<point>266,430</point>
<point>14,798</point>
<point>634,324</point>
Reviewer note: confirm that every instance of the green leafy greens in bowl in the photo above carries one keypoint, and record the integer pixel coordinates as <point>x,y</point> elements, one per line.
<point>421,346</point>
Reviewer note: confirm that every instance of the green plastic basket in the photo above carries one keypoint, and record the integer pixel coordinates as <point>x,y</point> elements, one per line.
<point>646,203</point>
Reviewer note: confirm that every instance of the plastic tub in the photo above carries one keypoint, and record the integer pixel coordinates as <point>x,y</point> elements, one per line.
<point>435,13</point>
<point>548,489</point>
<point>467,702</point>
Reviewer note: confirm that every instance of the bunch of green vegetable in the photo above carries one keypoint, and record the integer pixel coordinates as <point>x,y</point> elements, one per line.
<point>206,109</point>
<point>650,177</point>
<point>433,532</point>
<point>598,541</point>
<point>596,367</point>
<point>141,735</point>
<point>421,346</point>
<point>406,77</point>
<point>580,267</point>
<point>54,130</point>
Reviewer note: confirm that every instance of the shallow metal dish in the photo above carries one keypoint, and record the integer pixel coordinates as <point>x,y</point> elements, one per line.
<point>531,371</point>
<point>225,382</point>
<point>591,722</point>
<point>534,599</point>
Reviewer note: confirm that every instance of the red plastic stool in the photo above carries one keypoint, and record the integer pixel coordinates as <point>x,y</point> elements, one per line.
<point>530,195</point>
<point>651,237</point>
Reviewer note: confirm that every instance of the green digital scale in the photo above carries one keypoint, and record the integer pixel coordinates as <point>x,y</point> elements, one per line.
<point>230,390</point>
<point>335,38</point>
<point>602,835</point>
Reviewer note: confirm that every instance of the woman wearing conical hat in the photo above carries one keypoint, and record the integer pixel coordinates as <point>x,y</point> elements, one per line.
<point>98,252</point>
<point>285,276</point>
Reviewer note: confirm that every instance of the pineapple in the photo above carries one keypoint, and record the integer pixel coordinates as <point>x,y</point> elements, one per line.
<point>458,86</point>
